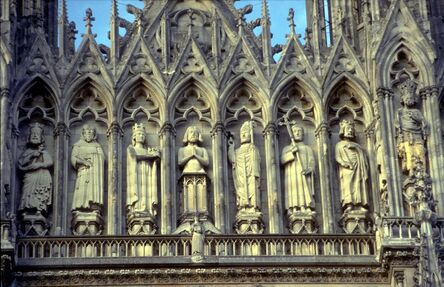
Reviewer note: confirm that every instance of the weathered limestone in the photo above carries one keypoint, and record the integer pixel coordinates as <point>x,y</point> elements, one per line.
<point>88,160</point>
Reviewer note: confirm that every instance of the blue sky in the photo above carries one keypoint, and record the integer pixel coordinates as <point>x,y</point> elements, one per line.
<point>102,9</point>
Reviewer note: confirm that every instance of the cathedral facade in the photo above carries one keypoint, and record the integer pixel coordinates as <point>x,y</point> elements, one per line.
<point>185,154</point>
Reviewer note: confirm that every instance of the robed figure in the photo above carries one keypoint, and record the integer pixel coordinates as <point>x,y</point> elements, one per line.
<point>246,163</point>
<point>298,161</point>
<point>142,166</point>
<point>353,169</point>
<point>88,160</point>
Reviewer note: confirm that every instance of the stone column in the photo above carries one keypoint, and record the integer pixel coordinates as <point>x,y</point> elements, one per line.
<point>4,169</point>
<point>434,143</point>
<point>167,177</point>
<point>371,157</point>
<point>115,198</point>
<point>60,190</point>
<point>322,134</point>
<point>219,192</point>
<point>387,114</point>
<point>275,216</point>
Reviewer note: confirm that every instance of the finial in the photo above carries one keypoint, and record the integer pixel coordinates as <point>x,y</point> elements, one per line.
<point>265,13</point>
<point>88,20</point>
<point>114,10</point>
<point>291,20</point>
<point>190,13</point>
<point>64,11</point>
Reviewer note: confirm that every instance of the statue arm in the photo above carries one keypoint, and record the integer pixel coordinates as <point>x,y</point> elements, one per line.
<point>47,160</point>
<point>204,160</point>
<point>25,160</point>
<point>287,155</point>
<point>339,156</point>
<point>182,159</point>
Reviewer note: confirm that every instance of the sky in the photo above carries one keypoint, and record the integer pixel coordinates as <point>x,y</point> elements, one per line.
<point>102,11</point>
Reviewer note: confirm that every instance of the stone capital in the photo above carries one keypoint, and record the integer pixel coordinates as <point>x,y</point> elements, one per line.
<point>322,128</point>
<point>270,129</point>
<point>218,128</point>
<point>5,93</point>
<point>61,129</point>
<point>114,129</point>
<point>167,127</point>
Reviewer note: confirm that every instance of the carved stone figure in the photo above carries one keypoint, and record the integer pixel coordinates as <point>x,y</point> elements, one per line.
<point>411,129</point>
<point>197,241</point>
<point>194,159</point>
<point>142,199</point>
<point>36,197</point>
<point>353,169</point>
<point>246,162</point>
<point>88,160</point>
<point>298,161</point>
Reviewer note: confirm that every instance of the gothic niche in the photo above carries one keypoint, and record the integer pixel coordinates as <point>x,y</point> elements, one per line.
<point>244,123</point>
<point>193,119</point>
<point>36,122</point>
<point>296,125</point>
<point>88,149</point>
<point>141,165</point>
<point>345,115</point>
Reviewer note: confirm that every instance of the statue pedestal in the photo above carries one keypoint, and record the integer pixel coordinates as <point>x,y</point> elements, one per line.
<point>33,224</point>
<point>195,206</point>
<point>355,221</point>
<point>249,222</point>
<point>141,224</point>
<point>302,222</point>
<point>87,223</point>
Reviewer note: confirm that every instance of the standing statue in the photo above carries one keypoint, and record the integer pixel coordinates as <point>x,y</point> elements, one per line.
<point>411,129</point>
<point>246,163</point>
<point>142,199</point>
<point>193,159</point>
<point>298,160</point>
<point>36,197</point>
<point>88,160</point>
<point>353,169</point>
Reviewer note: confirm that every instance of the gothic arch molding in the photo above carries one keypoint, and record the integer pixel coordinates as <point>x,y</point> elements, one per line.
<point>306,87</point>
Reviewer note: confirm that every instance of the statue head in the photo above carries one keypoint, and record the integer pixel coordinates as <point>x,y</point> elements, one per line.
<point>192,135</point>
<point>245,132</point>
<point>408,93</point>
<point>139,134</point>
<point>89,133</point>
<point>346,129</point>
<point>36,134</point>
<point>298,132</point>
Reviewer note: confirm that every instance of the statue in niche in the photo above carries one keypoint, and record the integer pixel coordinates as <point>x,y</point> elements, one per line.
<point>35,161</point>
<point>142,199</point>
<point>299,163</point>
<point>411,129</point>
<point>246,163</point>
<point>353,170</point>
<point>88,160</point>
<point>36,197</point>
<point>193,160</point>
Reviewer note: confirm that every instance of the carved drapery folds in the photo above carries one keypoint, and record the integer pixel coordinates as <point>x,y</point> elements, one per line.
<point>88,121</point>
<point>296,111</point>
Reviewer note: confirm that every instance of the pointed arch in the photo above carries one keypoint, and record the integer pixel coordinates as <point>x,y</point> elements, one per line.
<point>307,87</point>
<point>355,86</point>
<point>242,82</point>
<point>386,57</point>
<point>89,79</point>
<point>191,82</point>
<point>42,83</point>
<point>150,85</point>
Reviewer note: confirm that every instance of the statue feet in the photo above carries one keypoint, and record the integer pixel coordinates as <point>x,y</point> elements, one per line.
<point>86,223</point>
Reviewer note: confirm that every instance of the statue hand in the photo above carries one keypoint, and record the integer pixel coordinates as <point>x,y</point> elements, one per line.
<point>294,149</point>
<point>307,171</point>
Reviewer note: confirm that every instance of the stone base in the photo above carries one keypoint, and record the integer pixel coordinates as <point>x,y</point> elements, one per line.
<point>33,224</point>
<point>86,223</point>
<point>302,222</point>
<point>187,221</point>
<point>249,222</point>
<point>141,224</point>
<point>355,221</point>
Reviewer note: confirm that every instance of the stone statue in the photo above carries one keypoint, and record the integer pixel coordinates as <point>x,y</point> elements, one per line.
<point>197,241</point>
<point>246,163</point>
<point>299,164</point>
<point>88,160</point>
<point>411,129</point>
<point>194,159</point>
<point>35,162</point>
<point>353,170</point>
<point>142,164</point>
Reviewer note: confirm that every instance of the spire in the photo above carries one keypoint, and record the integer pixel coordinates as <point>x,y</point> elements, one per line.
<point>114,33</point>
<point>291,20</point>
<point>266,36</point>
<point>316,38</point>
<point>63,30</point>
<point>88,21</point>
